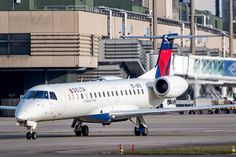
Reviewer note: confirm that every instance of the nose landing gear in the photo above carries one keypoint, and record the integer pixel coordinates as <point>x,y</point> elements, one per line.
<point>31,135</point>
<point>31,126</point>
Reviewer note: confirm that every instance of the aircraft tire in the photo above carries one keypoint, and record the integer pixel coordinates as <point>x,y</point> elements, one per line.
<point>145,133</point>
<point>136,131</point>
<point>34,135</point>
<point>28,135</point>
<point>200,112</point>
<point>78,133</point>
<point>85,130</point>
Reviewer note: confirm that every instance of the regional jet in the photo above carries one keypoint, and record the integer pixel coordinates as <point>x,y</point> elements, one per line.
<point>111,99</point>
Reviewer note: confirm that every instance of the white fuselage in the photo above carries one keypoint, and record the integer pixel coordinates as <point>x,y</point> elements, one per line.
<point>76,100</point>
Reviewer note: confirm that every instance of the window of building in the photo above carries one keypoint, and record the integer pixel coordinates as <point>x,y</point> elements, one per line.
<point>15,44</point>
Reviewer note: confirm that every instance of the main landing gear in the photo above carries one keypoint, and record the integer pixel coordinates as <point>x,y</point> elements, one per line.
<point>140,127</point>
<point>80,129</point>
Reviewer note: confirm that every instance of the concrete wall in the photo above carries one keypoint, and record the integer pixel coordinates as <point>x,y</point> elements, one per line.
<point>67,36</point>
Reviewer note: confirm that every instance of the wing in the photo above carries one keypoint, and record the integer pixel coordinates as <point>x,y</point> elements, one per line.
<point>7,107</point>
<point>116,115</point>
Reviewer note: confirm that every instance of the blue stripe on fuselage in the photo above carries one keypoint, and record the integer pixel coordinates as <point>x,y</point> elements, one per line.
<point>97,118</point>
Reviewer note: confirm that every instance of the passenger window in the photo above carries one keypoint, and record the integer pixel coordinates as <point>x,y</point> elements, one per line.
<point>121,92</point>
<point>52,95</point>
<point>108,94</point>
<point>77,96</point>
<point>116,93</point>
<point>104,94</point>
<point>138,91</point>
<point>99,94</point>
<point>82,97</point>
<point>134,92</point>
<point>142,91</point>
<point>95,95</point>
<point>69,97</point>
<point>91,95</point>
<point>126,93</point>
<point>112,93</point>
<point>130,92</point>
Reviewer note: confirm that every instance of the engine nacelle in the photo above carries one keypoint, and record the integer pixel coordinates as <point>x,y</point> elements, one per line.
<point>170,86</point>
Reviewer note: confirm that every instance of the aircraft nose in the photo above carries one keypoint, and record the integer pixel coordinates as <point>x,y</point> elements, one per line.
<point>21,114</point>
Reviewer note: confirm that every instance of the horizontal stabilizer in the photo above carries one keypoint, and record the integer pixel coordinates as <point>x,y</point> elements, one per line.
<point>7,107</point>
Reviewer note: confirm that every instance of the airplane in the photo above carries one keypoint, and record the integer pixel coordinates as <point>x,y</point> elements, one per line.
<point>112,99</point>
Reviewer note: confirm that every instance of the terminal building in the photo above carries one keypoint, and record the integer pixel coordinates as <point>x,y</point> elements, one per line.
<point>50,43</point>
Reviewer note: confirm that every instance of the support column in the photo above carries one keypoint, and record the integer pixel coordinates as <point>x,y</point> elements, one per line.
<point>234,93</point>
<point>197,88</point>
<point>154,25</point>
<point>224,91</point>
<point>231,47</point>
<point>192,27</point>
<point>110,33</point>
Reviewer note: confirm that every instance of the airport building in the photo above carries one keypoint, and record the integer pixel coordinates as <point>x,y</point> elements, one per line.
<point>40,43</point>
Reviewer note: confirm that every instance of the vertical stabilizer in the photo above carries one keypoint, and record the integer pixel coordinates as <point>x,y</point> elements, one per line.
<point>162,67</point>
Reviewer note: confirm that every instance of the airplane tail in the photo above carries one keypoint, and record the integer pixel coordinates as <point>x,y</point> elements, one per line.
<point>162,67</point>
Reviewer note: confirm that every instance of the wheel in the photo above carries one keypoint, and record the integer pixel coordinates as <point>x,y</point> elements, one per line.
<point>217,111</point>
<point>78,133</point>
<point>190,112</point>
<point>227,111</point>
<point>199,112</point>
<point>34,135</point>
<point>28,135</point>
<point>85,130</point>
<point>145,132</point>
<point>209,111</point>
<point>181,112</point>
<point>136,131</point>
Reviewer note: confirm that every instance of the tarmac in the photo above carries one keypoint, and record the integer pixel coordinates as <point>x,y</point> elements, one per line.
<point>165,131</point>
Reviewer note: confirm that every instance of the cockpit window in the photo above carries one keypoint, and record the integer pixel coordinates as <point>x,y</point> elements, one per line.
<point>53,95</point>
<point>36,95</point>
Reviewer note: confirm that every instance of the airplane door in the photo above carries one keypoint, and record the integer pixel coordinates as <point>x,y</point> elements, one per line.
<point>56,101</point>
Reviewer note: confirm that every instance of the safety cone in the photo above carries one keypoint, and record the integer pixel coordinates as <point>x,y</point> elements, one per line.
<point>121,149</point>
<point>233,150</point>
